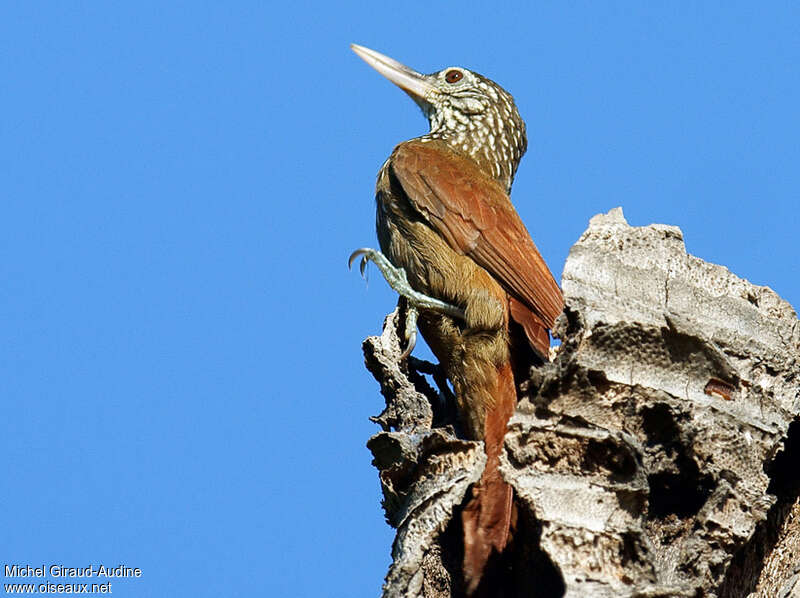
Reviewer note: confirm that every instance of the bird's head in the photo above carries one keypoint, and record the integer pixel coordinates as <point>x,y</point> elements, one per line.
<point>472,114</point>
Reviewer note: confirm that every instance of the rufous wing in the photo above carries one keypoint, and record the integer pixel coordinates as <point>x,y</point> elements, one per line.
<point>474,214</point>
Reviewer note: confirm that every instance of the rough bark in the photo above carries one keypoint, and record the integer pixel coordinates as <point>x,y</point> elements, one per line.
<point>656,455</point>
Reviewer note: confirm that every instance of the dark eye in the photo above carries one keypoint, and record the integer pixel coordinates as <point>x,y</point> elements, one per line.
<point>453,76</point>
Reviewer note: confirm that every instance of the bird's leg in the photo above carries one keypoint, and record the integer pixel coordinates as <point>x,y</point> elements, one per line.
<point>397,279</point>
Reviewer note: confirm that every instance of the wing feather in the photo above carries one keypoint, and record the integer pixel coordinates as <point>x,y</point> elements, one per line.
<point>474,214</point>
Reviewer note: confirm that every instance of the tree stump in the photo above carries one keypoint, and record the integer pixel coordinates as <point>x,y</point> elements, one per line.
<point>657,454</point>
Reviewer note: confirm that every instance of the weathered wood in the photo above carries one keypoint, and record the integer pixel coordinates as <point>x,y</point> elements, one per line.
<point>654,456</point>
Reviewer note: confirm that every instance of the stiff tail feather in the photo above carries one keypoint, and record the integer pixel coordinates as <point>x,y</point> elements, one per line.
<point>487,517</point>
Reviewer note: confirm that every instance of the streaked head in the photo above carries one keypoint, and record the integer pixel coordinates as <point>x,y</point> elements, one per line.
<point>473,114</point>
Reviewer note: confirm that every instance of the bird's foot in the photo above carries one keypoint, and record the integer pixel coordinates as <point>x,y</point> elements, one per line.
<point>397,279</point>
<point>410,330</point>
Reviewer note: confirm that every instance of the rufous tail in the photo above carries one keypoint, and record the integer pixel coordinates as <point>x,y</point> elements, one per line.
<point>487,516</point>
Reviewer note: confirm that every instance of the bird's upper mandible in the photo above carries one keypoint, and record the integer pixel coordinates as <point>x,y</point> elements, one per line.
<point>472,114</point>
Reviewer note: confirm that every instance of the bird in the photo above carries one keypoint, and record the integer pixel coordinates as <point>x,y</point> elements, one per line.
<point>476,286</point>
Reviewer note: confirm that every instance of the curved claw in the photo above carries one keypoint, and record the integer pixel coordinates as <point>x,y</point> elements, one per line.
<point>410,331</point>
<point>355,254</point>
<point>412,342</point>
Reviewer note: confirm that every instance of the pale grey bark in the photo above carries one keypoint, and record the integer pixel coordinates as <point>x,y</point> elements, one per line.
<point>649,458</point>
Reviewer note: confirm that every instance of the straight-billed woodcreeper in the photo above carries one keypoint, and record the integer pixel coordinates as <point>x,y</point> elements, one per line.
<point>455,248</point>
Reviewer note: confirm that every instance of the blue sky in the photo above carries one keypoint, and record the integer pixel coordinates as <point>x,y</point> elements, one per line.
<point>181,184</point>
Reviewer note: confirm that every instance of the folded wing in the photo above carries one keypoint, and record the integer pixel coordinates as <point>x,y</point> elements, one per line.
<point>474,214</point>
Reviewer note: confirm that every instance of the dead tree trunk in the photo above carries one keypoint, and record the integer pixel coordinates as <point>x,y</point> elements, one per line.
<point>658,454</point>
